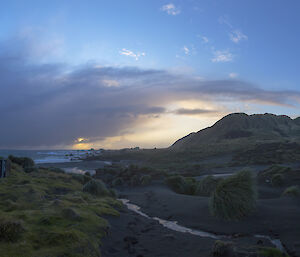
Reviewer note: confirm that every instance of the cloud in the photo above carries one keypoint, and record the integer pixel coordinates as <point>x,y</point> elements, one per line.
<point>233,75</point>
<point>236,36</point>
<point>186,50</point>
<point>184,111</point>
<point>222,56</point>
<point>205,39</point>
<point>170,9</point>
<point>53,105</point>
<point>127,52</point>
<point>111,83</point>
<point>225,20</point>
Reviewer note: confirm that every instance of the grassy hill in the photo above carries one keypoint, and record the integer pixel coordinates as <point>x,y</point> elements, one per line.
<point>238,129</point>
<point>46,213</point>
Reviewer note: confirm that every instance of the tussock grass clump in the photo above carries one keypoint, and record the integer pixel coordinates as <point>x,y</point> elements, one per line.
<point>190,185</point>
<point>277,180</point>
<point>176,183</point>
<point>234,197</point>
<point>146,180</point>
<point>272,252</point>
<point>135,180</point>
<point>221,249</point>
<point>293,191</point>
<point>96,187</point>
<point>117,182</point>
<point>22,161</point>
<point>57,170</point>
<point>70,214</point>
<point>207,186</point>
<point>31,169</point>
<point>83,179</point>
<point>182,185</point>
<point>10,230</point>
<point>275,175</point>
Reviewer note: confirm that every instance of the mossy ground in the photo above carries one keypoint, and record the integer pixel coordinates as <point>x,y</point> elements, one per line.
<point>39,200</point>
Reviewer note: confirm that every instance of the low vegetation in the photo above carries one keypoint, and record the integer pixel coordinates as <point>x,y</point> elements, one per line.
<point>96,187</point>
<point>50,213</point>
<point>190,186</point>
<point>272,252</point>
<point>221,248</point>
<point>293,191</point>
<point>177,184</point>
<point>133,175</point>
<point>274,175</point>
<point>234,197</point>
<point>207,186</point>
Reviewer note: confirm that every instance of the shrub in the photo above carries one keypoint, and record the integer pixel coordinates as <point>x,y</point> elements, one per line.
<point>234,197</point>
<point>146,180</point>
<point>292,191</point>
<point>181,185</point>
<point>207,185</point>
<point>223,249</point>
<point>272,252</point>
<point>95,187</point>
<point>277,180</point>
<point>31,169</point>
<point>176,183</point>
<point>70,214</point>
<point>113,193</point>
<point>135,180</point>
<point>87,174</point>
<point>273,171</point>
<point>117,182</point>
<point>190,185</point>
<point>57,170</point>
<point>22,161</point>
<point>10,230</point>
<point>83,179</point>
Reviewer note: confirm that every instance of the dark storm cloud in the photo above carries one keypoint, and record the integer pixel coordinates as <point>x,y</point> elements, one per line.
<point>184,111</point>
<point>53,104</point>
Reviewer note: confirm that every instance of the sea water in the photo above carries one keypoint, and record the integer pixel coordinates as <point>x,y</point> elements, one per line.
<point>50,156</point>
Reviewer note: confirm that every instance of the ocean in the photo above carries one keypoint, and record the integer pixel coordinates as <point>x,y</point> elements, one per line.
<point>50,156</point>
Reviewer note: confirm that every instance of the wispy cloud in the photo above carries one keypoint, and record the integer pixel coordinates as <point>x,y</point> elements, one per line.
<point>127,52</point>
<point>225,20</point>
<point>233,75</point>
<point>204,39</point>
<point>236,36</point>
<point>170,9</point>
<point>222,56</point>
<point>186,50</point>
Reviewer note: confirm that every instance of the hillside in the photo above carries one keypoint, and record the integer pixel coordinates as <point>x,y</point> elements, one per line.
<point>45,212</point>
<point>237,129</point>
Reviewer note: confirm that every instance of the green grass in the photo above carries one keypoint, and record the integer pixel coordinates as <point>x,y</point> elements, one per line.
<point>222,248</point>
<point>234,197</point>
<point>96,187</point>
<point>146,180</point>
<point>271,252</point>
<point>207,186</point>
<point>46,213</point>
<point>176,183</point>
<point>277,180</point>
<point>293,191</point>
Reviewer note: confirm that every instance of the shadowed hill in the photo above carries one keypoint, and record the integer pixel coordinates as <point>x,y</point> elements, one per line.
<point>240,128</point>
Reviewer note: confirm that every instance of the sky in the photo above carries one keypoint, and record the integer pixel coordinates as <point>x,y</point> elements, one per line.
<point>124,73</point>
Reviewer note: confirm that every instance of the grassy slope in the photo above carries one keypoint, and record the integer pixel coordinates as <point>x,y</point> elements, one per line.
<point>41,201</point>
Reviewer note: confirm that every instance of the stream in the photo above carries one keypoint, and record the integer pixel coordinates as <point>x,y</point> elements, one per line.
<point>176,227</point>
